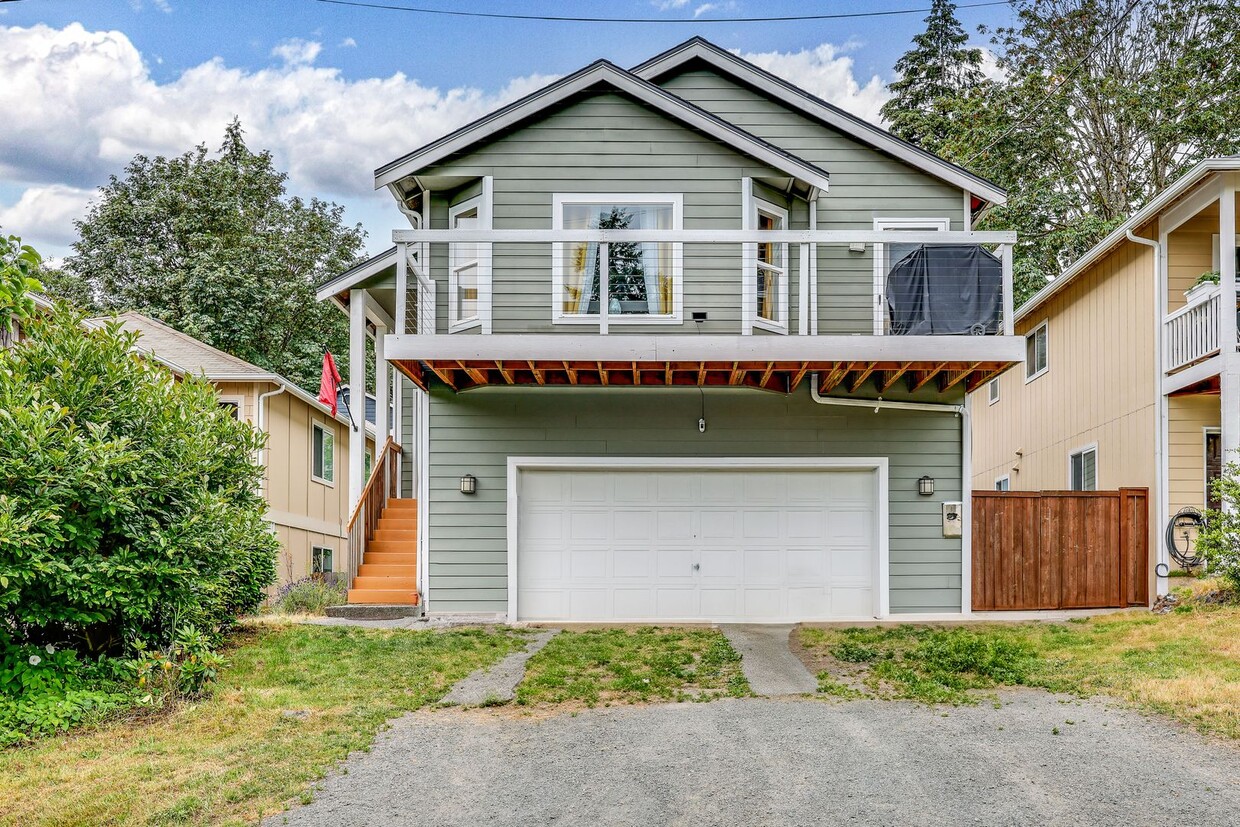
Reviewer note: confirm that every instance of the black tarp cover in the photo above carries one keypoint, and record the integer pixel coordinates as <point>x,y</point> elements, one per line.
<point>943,289</point>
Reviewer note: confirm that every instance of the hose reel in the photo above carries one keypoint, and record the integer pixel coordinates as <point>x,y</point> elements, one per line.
<point>1181,537</point>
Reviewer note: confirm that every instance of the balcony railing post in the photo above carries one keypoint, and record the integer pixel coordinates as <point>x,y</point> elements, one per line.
<point>402,286</point>
<point>1009,299</point>
<point>604,284</point>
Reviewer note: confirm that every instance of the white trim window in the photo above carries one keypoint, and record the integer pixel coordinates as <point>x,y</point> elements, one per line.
<point>992,389</point>
<point>1083,469</point>
<point>887,256</point>
<point>644,282</point>
<point>321,559</point>
<point>323,454</point>
<point>232,404</point>
<point>1037,351</point>
<point>464,268</point>
<point>770,272</point>
<point>1003,483</point>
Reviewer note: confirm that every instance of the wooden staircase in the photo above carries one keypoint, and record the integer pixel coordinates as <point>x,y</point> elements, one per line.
<point>388,573</point>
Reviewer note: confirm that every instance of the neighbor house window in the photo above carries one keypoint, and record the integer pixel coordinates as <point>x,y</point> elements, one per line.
<point>464,267</point>
<point>1035,352</point>
<point>1083,469</point>
<point>320,559</point>
<point>369,463</point>
<point>887,256</point>
<point>232,406</point>
<point>1003,483</point>
<point>771,271</point>
<point>323,454</point>
<point>643,278</point>
<point>993,387</point>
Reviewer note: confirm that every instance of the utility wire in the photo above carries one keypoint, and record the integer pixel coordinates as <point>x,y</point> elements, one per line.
<point>1058,87</point>
<point>645,20</point>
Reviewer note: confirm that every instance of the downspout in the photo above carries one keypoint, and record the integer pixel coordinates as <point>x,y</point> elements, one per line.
<point>262,427</point>
<point>966,468</point>
<point>1160,413</point>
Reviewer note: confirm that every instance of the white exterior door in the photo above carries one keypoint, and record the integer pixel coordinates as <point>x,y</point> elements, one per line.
<point>696,544</point>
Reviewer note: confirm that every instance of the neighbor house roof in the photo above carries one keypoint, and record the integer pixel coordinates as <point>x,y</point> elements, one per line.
<point>797,98</point>
<point>1151,210</point>
<point>602,72</point>
<point>186,356</point>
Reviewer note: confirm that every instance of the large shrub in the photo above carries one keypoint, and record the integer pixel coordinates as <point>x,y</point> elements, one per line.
<point>129,504</point>
<point>1219,541</point>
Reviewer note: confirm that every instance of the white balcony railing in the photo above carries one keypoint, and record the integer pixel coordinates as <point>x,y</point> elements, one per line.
<point>1191,333</point>
<point>662,275</point>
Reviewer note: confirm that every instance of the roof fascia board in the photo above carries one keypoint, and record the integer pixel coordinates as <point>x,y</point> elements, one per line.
<point>1147,213</point>
<point>629,84</point>
<point>819,109</point>
<point>357,274</point>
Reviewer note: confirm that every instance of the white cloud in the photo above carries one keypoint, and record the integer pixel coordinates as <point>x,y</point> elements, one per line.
<point>667,5</point>
<point>88,104</point>
<point>828,73</point>
<point>704,8</point>
<point>348,43</point>
<point>46,214</point>
<point>297,52</point>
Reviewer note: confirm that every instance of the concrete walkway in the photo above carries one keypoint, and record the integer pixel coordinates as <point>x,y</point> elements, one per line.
<point>768,663</point>
<point>499,683</point>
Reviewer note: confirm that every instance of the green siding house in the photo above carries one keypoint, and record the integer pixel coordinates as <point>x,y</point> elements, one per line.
<point>677,343</point>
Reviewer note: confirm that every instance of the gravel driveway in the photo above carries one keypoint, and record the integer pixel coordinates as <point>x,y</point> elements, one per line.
<point>795,762</point>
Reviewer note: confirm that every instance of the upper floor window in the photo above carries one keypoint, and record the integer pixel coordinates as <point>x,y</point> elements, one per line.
<point>464,266</point>
<point>323,454</point>
<point>1036,343</point>
<point>643,278</point>
<point>993,389</point>
<point>771,271</point>
<point>1083,469</point>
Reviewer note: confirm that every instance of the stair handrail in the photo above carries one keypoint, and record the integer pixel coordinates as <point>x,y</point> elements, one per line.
<point>361,532</point>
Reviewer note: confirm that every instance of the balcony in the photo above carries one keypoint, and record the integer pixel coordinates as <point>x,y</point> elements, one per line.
<point>1191,334</point>
<point>759,308</point>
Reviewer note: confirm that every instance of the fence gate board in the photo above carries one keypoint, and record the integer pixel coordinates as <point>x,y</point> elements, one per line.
<point>1060,549</point>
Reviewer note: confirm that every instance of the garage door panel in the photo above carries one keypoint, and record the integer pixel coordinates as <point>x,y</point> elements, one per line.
<point>685,544</point>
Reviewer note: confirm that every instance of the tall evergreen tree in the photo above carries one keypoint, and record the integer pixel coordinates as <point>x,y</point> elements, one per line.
<point>937,71</point>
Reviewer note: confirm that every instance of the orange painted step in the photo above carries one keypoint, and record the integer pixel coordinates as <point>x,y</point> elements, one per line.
<point>385,570</point>
<point>406,597</point>
<point>402,505</point>
<point>383,535</point>
<point>408,583</point>
<point>397,523</point>
<point>391,546</point>
<point>390,558</point>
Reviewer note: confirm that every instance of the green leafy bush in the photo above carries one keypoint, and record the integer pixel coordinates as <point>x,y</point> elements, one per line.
<point>1219,540</point>
<point>183,669</point>
<point>130,504</point>
<point>44,690</point>
<point>309,596</point>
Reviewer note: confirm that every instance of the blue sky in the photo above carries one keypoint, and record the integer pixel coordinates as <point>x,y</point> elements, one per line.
<point>337,90</point>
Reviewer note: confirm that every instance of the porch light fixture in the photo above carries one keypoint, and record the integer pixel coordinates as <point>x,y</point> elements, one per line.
<point>925,486</point>
<point>469,484</point>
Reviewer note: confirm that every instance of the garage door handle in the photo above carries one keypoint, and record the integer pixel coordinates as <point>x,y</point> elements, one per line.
<point>697,566</point>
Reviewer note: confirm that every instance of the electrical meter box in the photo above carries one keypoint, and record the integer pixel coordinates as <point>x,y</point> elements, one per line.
<point>953,518</point>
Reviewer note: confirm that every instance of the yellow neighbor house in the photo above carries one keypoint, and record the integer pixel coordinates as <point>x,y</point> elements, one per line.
<point>305,462</point>
<point>1130,361</point>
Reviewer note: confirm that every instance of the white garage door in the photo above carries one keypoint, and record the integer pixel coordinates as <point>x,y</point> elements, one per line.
<point>696,544</point>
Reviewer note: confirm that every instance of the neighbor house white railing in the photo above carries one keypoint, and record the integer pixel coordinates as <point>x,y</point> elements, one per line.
<point>1191,333</point>
<point>416,283</point>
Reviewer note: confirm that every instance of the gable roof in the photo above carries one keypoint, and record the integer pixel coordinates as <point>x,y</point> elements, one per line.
<point>605,73</point>
<point>1157,204</point>
<point>358,273</point>
<point>698,48</point>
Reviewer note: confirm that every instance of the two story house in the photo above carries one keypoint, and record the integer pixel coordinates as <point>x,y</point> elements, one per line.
<point>1133,349</point>
<point>677,343</point>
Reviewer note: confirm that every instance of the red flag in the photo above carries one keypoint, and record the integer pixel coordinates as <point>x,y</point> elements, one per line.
<point>329,382</point>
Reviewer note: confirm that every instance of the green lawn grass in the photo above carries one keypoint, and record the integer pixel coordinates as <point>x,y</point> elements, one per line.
<point>293,700</point>
<point>1185,664</point>
<point>632,665</point>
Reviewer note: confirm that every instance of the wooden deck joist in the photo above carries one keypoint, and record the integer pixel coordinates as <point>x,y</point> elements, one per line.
<point>780,377</point>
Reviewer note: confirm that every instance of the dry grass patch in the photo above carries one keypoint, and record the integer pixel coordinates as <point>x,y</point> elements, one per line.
<point>293,701</point>
<point>632,665</point>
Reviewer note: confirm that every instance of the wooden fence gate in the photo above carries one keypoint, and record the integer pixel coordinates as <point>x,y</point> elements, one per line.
<point>1060,549</point>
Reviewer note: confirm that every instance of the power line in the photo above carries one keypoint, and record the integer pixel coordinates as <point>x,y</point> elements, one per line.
<point>646,20</point>
<point>1058,87</point>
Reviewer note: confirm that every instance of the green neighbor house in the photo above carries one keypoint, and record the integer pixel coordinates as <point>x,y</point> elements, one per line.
<point>758,415</point>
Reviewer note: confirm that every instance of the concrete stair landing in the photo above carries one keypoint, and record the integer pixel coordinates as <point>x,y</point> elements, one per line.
<point>389,569</point>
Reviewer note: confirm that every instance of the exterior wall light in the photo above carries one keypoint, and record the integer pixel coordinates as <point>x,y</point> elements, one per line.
<point>469,484</point>
<point>925,486</point>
